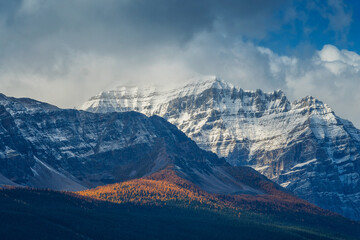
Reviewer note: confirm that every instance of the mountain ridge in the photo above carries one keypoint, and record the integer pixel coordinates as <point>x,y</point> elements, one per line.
<point>70,149</point>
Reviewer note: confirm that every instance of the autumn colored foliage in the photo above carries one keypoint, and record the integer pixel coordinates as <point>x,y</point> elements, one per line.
<point>167,188</point>
<point>162,188</point>
<point>28,213</point>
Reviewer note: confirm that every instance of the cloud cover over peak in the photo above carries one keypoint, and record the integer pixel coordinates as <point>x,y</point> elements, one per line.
<point>66,51</point>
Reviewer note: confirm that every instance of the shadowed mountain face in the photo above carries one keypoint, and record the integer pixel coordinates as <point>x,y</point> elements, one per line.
<point>303,145</point>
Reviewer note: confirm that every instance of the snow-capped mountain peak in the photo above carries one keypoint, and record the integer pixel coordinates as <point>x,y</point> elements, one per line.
<point>301,145</point>
<point>201,84</point>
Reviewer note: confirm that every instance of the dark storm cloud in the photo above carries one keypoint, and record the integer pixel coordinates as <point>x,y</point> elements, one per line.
<point>42,36</point>
<point>36,33</point>
<point>94,23</point>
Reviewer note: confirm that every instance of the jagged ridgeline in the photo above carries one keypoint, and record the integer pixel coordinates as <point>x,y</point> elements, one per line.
<point>303,145</point>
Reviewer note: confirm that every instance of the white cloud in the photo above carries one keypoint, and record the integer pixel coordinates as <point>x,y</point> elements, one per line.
<point>332,75</point>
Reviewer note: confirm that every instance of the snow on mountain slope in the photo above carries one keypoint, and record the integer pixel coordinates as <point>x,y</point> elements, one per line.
<point>301,145</point>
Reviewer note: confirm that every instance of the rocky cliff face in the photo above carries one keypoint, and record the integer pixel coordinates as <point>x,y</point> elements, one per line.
<point>301,145</point>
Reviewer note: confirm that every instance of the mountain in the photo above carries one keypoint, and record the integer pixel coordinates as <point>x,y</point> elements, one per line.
<point>65,149</point>
<point>148,175</point>
<point>44,146</point>
<point>44,214</point>
<point>302,145</point>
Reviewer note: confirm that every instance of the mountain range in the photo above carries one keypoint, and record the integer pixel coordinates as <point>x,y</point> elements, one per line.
<point>44,146</point>
<point>302,145</point>
<point>129,174</point>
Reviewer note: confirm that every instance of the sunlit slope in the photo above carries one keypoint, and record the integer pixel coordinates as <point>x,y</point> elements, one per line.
<point>167,188</point>
<point>41,214</point>
<point>162,188</point>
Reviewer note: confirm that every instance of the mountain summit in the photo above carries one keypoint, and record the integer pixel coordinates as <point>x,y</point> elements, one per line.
<point>302,145</point>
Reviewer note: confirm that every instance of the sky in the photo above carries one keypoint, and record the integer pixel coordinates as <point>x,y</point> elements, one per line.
<point>64,52</point>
